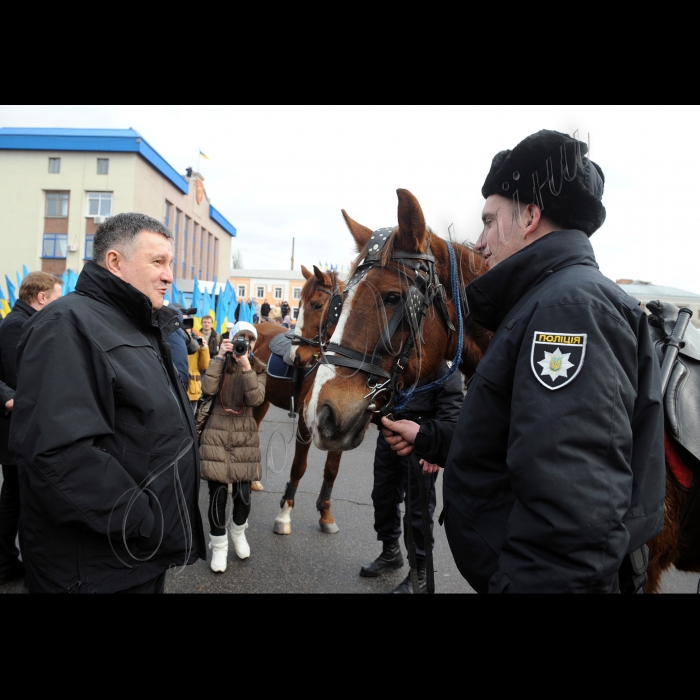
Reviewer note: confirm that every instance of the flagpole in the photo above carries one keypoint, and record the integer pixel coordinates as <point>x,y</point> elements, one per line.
<point>199,158</point>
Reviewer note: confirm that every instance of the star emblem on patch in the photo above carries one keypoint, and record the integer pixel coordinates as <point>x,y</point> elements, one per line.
<point>556,358</point>
<point>555,364</point>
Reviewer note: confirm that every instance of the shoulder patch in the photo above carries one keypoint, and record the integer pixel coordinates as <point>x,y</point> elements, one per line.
<point>557,358</point>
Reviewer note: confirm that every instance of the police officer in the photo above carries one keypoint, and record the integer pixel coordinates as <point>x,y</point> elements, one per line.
<point>428,411</point>
<point>555,475</point>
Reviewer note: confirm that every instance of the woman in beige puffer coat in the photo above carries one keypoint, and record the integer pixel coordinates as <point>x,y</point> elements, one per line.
<point>229,447</point>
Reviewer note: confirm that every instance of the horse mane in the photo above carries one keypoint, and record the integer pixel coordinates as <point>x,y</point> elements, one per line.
<point>312,285</point>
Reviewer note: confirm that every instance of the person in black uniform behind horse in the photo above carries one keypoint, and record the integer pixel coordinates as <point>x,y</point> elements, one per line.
<point>428,410</point>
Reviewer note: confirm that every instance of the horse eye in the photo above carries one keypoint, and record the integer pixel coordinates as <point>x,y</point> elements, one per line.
<point>392,299</point>
<point>318,307</point>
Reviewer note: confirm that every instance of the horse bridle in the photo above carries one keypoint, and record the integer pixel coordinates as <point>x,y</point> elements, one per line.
<point>424,290</point>
<point>331,318</point>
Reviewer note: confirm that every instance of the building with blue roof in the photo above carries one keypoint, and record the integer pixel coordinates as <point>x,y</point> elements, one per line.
<point>58,185</point>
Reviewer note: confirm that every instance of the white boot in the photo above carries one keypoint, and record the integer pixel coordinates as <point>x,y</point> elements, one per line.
<point>219,552</point>
<point>239,541</point>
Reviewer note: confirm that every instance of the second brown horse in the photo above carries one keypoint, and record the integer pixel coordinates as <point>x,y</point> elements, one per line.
<point>315,297</point>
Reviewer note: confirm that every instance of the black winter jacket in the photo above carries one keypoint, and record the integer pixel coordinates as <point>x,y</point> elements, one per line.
<point>10,333</point>
<point>5,395</point>
<point>556,469</point>
<point>100,416</point>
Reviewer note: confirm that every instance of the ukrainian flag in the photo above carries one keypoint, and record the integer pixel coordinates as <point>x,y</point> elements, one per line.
<point>4,306</point>
<point>203,155</point>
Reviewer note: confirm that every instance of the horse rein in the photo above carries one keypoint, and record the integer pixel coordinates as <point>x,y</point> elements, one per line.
<point>424,290</point>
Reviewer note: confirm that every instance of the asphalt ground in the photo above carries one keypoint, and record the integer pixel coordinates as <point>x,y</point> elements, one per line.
<point>309,560</point>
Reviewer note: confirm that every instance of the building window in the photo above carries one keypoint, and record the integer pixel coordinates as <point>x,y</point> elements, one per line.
<point>103,166</point>
<point>209,265</point>
<point>296,293</point>
<point>99,204</point>
<point>260,292</point>
<point>278,292</point>
<point>178,216</point>
<point>166,215</point>
<point>57,204</point>
<point>202,234</point>
<point>54,245</point>
<point>54,166</point>
<point>88,247</point>
<point>241,291</point>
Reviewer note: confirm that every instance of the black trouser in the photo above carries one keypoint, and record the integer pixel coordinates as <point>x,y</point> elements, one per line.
<point>155,585</point>
<point>9,518</point>
<point>217,505</point>
<point>390,485</point>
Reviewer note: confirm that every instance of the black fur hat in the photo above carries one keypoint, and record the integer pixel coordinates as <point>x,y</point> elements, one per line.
<point>568,188</point>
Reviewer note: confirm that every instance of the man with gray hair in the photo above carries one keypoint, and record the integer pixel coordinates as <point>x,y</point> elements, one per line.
<point>102,429</point>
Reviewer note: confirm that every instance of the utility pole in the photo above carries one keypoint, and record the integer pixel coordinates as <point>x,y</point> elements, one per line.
<point>292,254</point>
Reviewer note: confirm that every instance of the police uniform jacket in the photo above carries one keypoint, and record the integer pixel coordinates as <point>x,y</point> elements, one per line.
<point>104,439</point>
<point>556,469</point>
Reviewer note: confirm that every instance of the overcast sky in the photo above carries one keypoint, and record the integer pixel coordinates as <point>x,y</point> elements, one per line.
<point>279,173</point>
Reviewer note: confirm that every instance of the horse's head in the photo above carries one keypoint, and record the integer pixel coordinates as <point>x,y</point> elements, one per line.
<point>314,324</point>
<point>397,325</point>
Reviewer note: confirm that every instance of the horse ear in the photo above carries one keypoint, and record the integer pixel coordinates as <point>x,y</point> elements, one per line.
<point>306,273</point>
<point>319,275</point>
<point>412,234</point>
<point>360,233</point>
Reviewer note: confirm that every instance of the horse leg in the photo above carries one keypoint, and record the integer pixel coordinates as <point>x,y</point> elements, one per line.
<point>283,521</point>
<point>330,472</point>
<point>259,412</point>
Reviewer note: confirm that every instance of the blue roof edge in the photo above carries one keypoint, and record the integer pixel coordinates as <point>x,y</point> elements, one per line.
<point>226,225</point>
<point>100,140</point>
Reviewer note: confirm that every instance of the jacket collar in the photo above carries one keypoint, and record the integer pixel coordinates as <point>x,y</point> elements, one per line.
<point>494,294</point>
<point>20,305</point>
<point>102,285</point>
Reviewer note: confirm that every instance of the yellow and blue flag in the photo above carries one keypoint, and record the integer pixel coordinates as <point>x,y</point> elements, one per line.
<point>4,306</point>
<point>10,291</point>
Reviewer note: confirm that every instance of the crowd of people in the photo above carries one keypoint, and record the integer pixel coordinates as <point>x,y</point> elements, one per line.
<point>280,313</point>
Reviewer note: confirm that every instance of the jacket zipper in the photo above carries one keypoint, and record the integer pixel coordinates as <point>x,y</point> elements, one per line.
<point>170,386</point>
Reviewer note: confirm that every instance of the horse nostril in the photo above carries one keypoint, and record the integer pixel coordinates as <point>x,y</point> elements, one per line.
<point>327,424</point>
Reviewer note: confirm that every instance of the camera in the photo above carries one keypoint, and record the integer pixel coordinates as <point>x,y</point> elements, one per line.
<point>241,346</point>
<point>188,323</point>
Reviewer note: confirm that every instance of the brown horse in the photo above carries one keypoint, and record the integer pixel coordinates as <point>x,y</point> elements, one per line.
<point>337,407</point>
<point>315,298</point>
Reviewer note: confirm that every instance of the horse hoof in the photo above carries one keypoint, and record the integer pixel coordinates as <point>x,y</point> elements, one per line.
<point>282,528</point>
<point>329,528</point>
